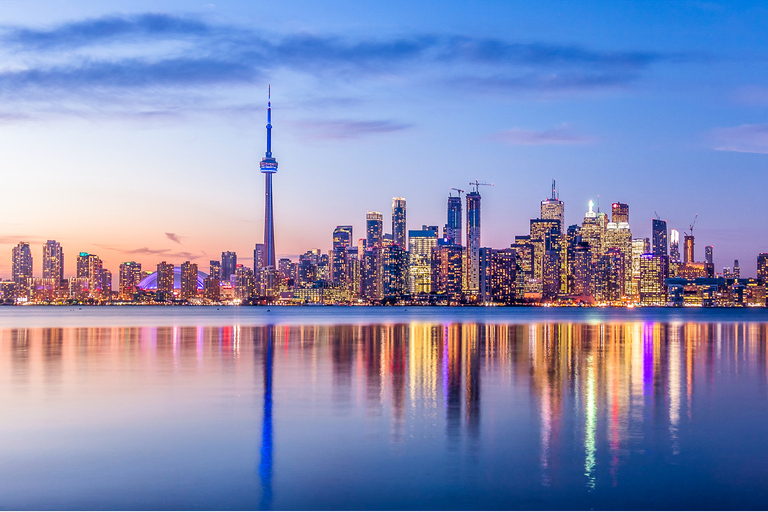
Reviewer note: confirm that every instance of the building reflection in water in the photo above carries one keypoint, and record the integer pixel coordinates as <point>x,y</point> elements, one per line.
<point>599,392</point>
<point>265,462</point>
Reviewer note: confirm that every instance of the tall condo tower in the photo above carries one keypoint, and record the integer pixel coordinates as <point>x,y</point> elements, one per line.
<point>398,221</point>
<point>269,167</point>
<point>453,230</point>
<point>473,241</point>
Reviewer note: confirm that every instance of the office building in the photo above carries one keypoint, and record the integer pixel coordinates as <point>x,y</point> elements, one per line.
<point>553,208</point>
<point>244,284</point>
<point>498,275</point>
<point>90,269</point>
<point>420,245</point>
<point>653,269</point>
<point>620,213</point>
<point>212,283</point>
<point>762,266</point>
<point>342,241</point>
<point>398,222</point>
<point>736,269</point>
<point>688,255</point>
<point>659,237</point>
<point>446,268</point>
<point>708,256</point>
<point>394,271</point>
<point>453,229</point>
<point>592,232</point>
<point>674,245</point>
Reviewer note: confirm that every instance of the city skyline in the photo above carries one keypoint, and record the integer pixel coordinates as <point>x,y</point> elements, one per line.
<point>160,164</point>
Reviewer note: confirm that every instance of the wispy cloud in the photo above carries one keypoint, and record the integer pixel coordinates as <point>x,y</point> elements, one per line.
<point>348,129</point>
<point>747,138</point>
<point>155,61</point>
<point>173,237</point>
<point>559,135</point>
<point>146,251</point>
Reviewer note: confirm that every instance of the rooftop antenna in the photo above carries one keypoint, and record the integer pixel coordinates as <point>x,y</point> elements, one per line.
<point>554,190</point>
<point>658,217</point>
<point>693,224</point>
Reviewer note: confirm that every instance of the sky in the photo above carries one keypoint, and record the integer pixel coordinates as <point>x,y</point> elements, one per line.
<point>134,130</point>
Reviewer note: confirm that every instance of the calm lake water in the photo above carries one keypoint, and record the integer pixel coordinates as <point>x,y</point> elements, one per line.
<point>382,408</point>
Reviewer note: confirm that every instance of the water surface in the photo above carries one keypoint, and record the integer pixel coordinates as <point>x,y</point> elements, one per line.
<point>382,408</point>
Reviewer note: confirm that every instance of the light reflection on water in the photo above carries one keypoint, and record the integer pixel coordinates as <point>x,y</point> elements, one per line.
<point>411,415</point>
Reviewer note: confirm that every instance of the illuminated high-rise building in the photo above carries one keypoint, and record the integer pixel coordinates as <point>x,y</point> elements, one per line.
<point>659,237</point>
<point>736,269</point>
<point>446,268</point>
<point>688,254</point>
<point>640,246</point>
<point>708,254</point>
<point>244,283</point>
<point>228,265</point>
<point>674,245</point>
<point>619,236</point>
<point>342,240</point>
<point>473,242</point>
<point>620,213</point>
<point>212,283</point>
<point>22,265</point>
<point>268,167</point>
<point>165,282</point>
<point>188,280</point>
<point>91,271</point>
<point>453,227</point>
<point>550,267</point>
<point>53,263</point>
<point>608,277</point>
<point>420,245</point>
<point>653,269</point>
<point>525,283</point>
<point>553,208</point>
<point>130,277</point>
<point>582,271</point>
<point>762,266</point>
<point>593,232</point>
<point>498,277</point>
<point>374,229</point>
<point>398,222</point>
<point>394,271</point>
<point>540,231</point>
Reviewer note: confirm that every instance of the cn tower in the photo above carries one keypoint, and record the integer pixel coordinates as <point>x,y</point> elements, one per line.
<point>269,167</point>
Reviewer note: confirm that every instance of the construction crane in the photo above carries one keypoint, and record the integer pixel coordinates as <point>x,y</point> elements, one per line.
<point>460,191</point>
<point>478,184</point>
<point>693,224</point>
<point>658,217</point>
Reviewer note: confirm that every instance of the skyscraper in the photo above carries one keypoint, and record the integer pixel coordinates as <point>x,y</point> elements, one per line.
<point>420,245</point>
<point>22,265</point>
<point>53,263</point>
<point>736,269</point>
<point>398,222</point>
<point>268,167</point>
<point>473,242</point>
<point>374,226</point>
<point>90,270</point>
<point>708,256</point>
<point>553,208</point>
<point>659,236</point>
<point>453,227</point>
<point>446,269</point>
<point>619,212</point>
<point>130,277</point>
<point>228,265</point>
<point>688,249</point>
<point>762,266</point>
<point>188,280</point>
<point>342,240</point>
<point>165,278</point>
<point>674,245</point>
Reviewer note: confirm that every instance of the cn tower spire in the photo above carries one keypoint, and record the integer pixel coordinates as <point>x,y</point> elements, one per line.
<point>268,167</point>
